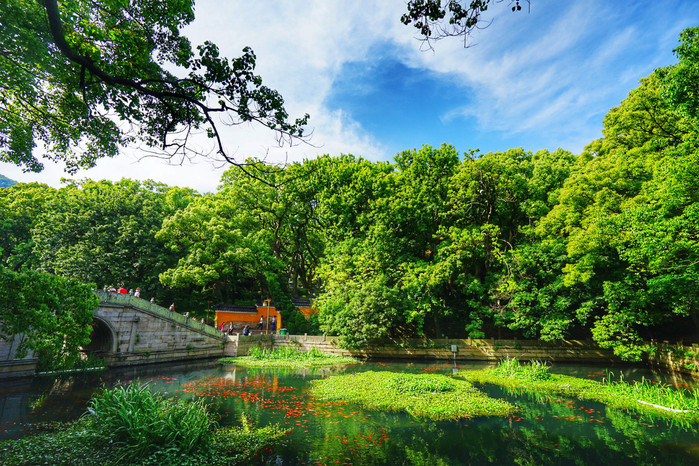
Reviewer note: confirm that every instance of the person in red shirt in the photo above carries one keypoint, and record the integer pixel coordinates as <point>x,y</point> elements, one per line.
<point>122,290</point>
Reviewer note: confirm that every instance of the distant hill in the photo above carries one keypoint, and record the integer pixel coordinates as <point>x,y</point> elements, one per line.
<point>5,182</point>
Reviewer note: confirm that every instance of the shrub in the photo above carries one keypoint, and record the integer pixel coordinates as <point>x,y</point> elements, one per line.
<point>511,368</point>
<point>143,421</point>
<point>288,357</point>
<point>131,425</point>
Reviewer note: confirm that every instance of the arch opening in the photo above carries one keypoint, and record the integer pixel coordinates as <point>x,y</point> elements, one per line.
<point>101,338</point>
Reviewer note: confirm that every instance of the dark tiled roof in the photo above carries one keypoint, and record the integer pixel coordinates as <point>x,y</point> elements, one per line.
<point>234,308</point>
<point>301,302</point>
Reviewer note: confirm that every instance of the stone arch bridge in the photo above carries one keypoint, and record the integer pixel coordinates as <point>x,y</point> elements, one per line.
<point>127,330</point>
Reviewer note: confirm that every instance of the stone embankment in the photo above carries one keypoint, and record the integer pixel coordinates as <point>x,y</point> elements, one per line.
<point>464,349</point>
<point>676,358</point>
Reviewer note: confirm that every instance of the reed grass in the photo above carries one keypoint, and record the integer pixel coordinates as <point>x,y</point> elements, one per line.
<point>511,368</point>
<point>288,357</point>
<point>682,399</point>
<point>144,421</point>
<point>130,425</point>
<point>643,397</point>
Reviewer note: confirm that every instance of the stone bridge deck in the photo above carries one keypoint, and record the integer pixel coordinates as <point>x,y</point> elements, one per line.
<point>129,330</point>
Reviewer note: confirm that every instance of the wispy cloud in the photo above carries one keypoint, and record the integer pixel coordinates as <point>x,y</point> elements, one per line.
<point>541,79</point>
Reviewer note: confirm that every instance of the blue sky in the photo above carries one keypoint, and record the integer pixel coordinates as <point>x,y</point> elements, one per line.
<point>404,107</point>
<point>563,66</point>
<point>537,79</point>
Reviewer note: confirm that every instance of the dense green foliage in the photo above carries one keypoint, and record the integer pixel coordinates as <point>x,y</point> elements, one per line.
<point>545,245</point>
<point>289,358</point>
<point>84,80</point>
<point>643,397</point>
<point>143,421</point>
<point>50,315</point>
<point>132,425</point>
<point>432,396</point>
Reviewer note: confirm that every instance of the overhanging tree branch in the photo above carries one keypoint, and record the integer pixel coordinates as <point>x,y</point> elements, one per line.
<point>160,103</point>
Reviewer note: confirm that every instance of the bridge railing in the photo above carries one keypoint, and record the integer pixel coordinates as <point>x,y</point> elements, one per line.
<point>145,305</point>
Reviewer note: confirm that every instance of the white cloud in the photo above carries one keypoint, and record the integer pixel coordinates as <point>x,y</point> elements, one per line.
<point>550,74</point>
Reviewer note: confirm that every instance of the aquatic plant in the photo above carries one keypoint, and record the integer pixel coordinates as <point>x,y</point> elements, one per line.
<point>643,397</point>
<point>432,396</point>
<point>143,421</point>
<point>511,368</point>
<point>131,425</point>
<point>420,383</point>
<point>288,357</point>
<point>659,395</point>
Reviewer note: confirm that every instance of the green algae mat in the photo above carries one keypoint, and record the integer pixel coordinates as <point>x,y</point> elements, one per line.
<point>433,396</point>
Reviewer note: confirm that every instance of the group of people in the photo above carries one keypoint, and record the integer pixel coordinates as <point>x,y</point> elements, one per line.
<point>186,315</point>
<point>137,294</point>
<point>272,324</point>
<point>122,290</point>
<point>229,329</point>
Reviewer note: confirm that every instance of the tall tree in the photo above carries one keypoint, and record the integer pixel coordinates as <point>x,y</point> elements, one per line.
<point>222,250</point>
<point>103,232</point>
<point>21,207</point>
<point>627,214</point>
<point>51,315</point>
<point>84,78</point>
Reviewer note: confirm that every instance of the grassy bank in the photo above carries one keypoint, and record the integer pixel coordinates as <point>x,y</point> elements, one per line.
<point>131,425</point>
<point>642,397</point>
<point>432,396</point>
<point>288,357</point>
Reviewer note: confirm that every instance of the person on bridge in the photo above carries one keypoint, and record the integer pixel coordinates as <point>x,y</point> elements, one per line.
<point>122,290</point>
<point>172,307</point>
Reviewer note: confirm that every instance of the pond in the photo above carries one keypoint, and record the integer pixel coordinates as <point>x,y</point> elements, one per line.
<point>548,430</point>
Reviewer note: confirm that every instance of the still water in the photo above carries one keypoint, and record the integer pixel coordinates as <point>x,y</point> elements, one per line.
<point>548,430</point>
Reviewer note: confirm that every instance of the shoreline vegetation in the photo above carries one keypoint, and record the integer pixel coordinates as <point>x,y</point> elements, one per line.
<point>288,358</point>
<point>643,397</point>
<point>129,424</point>
<point>433,396</point>
<point>132,425</point>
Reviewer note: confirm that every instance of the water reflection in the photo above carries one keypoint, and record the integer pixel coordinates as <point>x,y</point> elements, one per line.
<point>548,430</point>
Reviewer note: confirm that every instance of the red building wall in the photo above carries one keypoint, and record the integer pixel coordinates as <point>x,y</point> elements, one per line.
<point>250,318</point>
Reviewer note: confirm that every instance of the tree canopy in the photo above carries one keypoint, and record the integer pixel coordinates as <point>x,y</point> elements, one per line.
<point>545,244</point>
<point>51,315</point>
<point>82,79</point>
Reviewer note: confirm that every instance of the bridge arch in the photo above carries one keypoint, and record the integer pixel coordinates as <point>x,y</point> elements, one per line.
<point>128,331</point>
<point>102,338</point>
